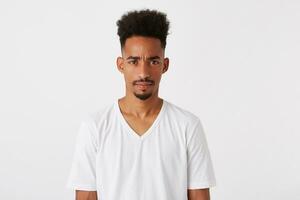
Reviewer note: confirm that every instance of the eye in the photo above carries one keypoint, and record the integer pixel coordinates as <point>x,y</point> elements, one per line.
<point>132,62</point>
<point>155,62</point>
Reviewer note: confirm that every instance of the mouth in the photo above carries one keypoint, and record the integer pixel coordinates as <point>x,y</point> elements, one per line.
<point>143,85</point>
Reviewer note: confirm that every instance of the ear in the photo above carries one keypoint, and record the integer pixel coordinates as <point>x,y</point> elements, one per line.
<point>120,64</point>
<point>166,65</point>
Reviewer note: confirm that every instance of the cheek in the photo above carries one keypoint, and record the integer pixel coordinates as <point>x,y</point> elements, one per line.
<point>157,74</point>
<point>130,71</point>
<point>129,77</point>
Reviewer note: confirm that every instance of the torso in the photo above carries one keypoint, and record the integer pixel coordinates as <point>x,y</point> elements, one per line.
<point>140,126</point>
<point>143,167</point>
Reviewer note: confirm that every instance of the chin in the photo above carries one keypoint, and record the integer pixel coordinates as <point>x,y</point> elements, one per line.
<point>144,96</point>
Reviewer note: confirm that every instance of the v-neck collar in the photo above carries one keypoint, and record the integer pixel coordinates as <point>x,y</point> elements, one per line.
<point>130,130</point>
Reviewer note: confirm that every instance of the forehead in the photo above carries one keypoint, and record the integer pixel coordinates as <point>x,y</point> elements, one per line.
<point>140,45</point>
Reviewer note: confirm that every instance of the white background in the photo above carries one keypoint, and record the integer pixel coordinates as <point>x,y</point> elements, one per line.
<point>233,63</point>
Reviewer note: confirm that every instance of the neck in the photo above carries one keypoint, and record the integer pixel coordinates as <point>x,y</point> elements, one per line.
<point>131,105</point>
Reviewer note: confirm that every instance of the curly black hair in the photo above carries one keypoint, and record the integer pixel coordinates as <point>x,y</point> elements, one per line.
<point>149,23</point>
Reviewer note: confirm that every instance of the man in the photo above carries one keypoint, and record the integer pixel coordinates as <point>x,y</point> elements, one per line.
<point>142,147</point>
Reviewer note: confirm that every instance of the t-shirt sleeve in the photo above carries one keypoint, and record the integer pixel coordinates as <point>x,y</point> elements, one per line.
<point>83,169</point>
<point>200,173</point>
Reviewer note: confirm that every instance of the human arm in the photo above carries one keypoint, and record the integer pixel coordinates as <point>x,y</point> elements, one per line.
<point>86,195</point>
<point>82,177</point>
<point>200,170</point>
<point>198,194</point>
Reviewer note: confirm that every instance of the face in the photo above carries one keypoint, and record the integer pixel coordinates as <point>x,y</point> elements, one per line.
<point>142,64</point>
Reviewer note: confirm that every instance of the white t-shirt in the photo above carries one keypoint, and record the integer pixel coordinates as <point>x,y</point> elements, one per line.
<point>169,158</point>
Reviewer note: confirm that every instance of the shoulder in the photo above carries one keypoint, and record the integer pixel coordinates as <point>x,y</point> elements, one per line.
<point>100,116</point>
<point>186,121</point>
<point>181,115</point>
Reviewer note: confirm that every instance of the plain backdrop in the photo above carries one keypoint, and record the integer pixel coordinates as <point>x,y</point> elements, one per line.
<point>234,63</point>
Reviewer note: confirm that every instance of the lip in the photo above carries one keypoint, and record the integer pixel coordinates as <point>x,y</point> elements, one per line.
<point>143,86</point>
<point>143,83</point>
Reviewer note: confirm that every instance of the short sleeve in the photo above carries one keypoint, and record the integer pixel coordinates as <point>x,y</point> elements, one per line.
<point>83,169</point>
<point>199,165</point>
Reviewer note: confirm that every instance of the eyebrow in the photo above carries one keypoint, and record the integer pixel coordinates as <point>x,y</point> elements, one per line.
<point>138,58</point>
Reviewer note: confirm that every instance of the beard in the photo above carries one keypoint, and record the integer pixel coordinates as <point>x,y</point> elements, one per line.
<point>142,97</point>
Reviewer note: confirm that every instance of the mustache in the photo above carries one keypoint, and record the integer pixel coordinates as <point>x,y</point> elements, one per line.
<point>143,81</point>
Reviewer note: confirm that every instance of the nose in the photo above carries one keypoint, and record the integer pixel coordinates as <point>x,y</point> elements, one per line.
<point>144,69</point>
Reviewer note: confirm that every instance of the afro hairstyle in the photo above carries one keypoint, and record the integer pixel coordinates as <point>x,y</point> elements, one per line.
<point>149,23</point>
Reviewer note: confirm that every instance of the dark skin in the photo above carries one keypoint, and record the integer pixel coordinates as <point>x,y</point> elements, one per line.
<point>142,64</point>
<point>86,195</point>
